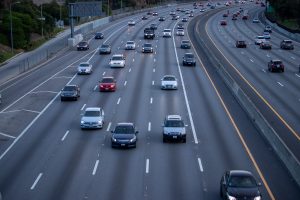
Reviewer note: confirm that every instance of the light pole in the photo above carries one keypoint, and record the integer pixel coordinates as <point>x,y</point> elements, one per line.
<point>107,7</point>
<point>11,28</point>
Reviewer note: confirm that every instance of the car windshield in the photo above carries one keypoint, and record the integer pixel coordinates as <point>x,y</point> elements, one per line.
<point>147,45</point>
<point>98,33</point>
<point>117,58</point>
<point>260,37</point>
<point>104,46</point>
<point>277,62</point>
<point>185,42</point>
<point>107,80</point>
<point>189,55</point>
<point>82,43</point>
<point>92,113</point>
<point>288,42</point>
<point>124,130</point>
<point>242,181</point>
<point>174,123</point>
<point>167,30</point>
<point>130,42</point>
<point>84,65</point>
<point>69,88</point>
<point>169,78</point>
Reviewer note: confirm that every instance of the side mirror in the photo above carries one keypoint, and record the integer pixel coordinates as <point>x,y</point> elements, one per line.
<point>259,184</point>
<point>136,132</point>
<point>112,131</point>
<point>186,125</point>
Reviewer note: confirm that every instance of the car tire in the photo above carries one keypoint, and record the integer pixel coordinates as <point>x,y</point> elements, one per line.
<point>282,70</point>
<point>184,140</point>
<point>164,140</point>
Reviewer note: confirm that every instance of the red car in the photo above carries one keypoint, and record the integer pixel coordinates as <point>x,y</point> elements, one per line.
<point>223,22</point>
<point>107,84</point>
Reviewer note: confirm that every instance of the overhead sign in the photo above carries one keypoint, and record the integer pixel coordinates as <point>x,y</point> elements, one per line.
<point>85,9</point>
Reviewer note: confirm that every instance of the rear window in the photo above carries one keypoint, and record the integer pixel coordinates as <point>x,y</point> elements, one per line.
<point>288,42</point>
<point>169,78</point>
<point>277,62</point>
<point>167,30</point>
<point>189,55</point>
<point>117,58</point>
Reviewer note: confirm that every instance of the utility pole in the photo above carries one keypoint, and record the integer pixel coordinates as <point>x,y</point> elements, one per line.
<point>11,28</point>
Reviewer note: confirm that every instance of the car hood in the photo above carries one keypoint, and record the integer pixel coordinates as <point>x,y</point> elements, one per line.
<point>120,136</point>
<point>174,130</point>
<point>91,119</point>
<point>242,192</point>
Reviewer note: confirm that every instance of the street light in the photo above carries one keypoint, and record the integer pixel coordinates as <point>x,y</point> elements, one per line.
<point>11,28</point>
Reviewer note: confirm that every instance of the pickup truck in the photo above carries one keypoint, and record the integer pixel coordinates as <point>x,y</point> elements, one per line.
<point>149,33</point>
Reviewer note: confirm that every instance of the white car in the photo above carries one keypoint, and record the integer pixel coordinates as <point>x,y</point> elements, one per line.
<point>131,22</point>
<point>167,33</point>
<point>117,60</point>
<point>169,82</point>
<point>130,45</point>
<point>202,10</point>
<point>180,32</point>
<point>93,117</point>
<point>260,39</point>
<point>84,68</point>
<point>255,20</point>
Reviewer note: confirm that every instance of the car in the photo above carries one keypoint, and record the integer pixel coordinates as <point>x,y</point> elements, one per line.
<point>259,39</point>
<point>131,22</point>
<point>175,17</point>
<point>70,92</point>
<point>153,26</point>
<point>180,25</point>
<point>105,49</point>
<point>225,15</point>
<point>92,118</point>
<point>155,13</point>
<point>124,135</point>
<point>83,45</point>
<point>191,15</point>
<point>172,12</point>
<point>267,35</point>
<point>189,59</point>
<point>167,33</point>
<point>147,48</point>
<point>117,60</point>
<point>202,10</point>
<point>240,44</point>
<point>265,45</point>
<point>174,129</point>
<point>185,44</point>
<point>223,22</point>
<point>107,84</point>
<point>144,17</point>
<point>149,13</point>
<point>234,17</point>
<point>212,7</point>
<point>161,19</point>
<point>245,17</point>
<point>275,65</point>
<point>99,35</point>
<point>84,68</point>
<point>184,19</point>
<point>239,184</point>
<point>255,20</point>
<point>180,32</point>
<point>268,28</point>
<point>169,82</point>
<point>130,45</point>
<point>287,44</point>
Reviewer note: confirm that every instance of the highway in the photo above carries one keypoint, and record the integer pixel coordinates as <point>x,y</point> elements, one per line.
<point>45,155</point>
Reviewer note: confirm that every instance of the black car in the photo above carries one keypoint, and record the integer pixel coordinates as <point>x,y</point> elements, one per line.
<point>147,48</point>
<point>83,45</point>
<point>70,92</point>
<point>180,25</point>
<point>184,19</point>
<point>153,26</point>
<point>189,59</point>
<point>275,65</point>
<point>287,44</point>
<point>185,44</point>
<point>161,19</point>
<point>239,184</point>
<point>105,49</point>
<point>265,45</point>
<point>240,44</point>
<point>124,135</point>
<point>99,35</point>
<point>144,17</point>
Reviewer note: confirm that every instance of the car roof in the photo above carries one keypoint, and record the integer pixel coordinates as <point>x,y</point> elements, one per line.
<point>85,63</point>
<point>173,117</point>
<point>276,60</point>
<point>188,54</point>
<point>117,55</point>
<point>287,40</point>
<point>125,124</point>
<point>93,109</point>
<point>107,77</point>
<point>240,173</point>
<point>166,29</point>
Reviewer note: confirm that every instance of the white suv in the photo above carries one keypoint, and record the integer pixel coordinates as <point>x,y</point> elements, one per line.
<point>174,129</point>
<point>117,60</point>
<point>167,33</point>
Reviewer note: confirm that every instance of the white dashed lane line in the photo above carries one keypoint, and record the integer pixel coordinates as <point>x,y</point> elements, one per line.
<point>152,82</point>
<point>147,166</point>
<point>293,58</point>
<point>129,70</point>
<point>251,60</point>
<point>133,60</point>
<point>151,100</point>
<point>280,84</point>
<point>154,70</point>
<point>36,181</point>
<point>125,83</point>
<point>119,101</point>
<point>108,127</point>
<point>149,126</point>
<point>95,167</point>
<point>200,165</point>
<point>95,87</point>
<point>83,106</point>
<point>65,135</point>
<point>103,73</point>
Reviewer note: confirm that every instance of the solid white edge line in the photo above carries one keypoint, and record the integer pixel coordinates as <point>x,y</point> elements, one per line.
<point>64,137</point>
<point>36,181</point>
<point>95,167</point>
<point>149,126</point>
<point>200,165</point>
<point>108,127</point>
<point>147,166</point>
<point>184,91</point>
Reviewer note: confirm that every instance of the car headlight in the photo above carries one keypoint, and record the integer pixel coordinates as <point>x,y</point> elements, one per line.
<point>100,122</point>
<point>82,122</point>
<point>114,139</point>
<point>257,198</point>
<point>231,197</point>
<point>133,139</point>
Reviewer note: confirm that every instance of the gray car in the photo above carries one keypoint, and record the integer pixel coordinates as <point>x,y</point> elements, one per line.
<point>105,49</point>
<point>70,92</point>
<point>92,118</point>
<point>174,129</point>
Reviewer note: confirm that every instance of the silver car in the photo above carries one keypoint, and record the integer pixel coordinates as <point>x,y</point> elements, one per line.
<point>169,82</point>
<point>130,45</point>
<point>93,117</point>
<point>174,129</point>
<point>84,68</point>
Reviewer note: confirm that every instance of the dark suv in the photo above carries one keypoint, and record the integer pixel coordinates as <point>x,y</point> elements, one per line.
<point>185,44</point>
<point>70,92</point>
<point>240,44</point>
<point>124,135</point>
<point>189,59</point>
<point>239,184</point>
<point>287,44</point>
<point>147,48</point>
<point>83,45</point>
<point>275,65</point>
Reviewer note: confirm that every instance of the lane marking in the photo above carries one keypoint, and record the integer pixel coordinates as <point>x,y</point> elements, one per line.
<point>154,60</point>
<point>297,75</point>
<point>151,100</point>
<point>129,69</point>
<point>293,58</point>
<point>263,70</point>
<point>153,70</point>
<point>95,167</point>
<point>152,82</point>
<point>251,60</point>
<point>200,165</point>
<point>6,135</point>
<point>125,83</point>
<point>119,100</point>
<point>133,60</point>
<point>95,87</point>
<point>33,111</point>
<point>83,106</point>
<point>184,92</point>
<point>147,166</point>
<point>108,127</point>
<point>103,73</point>
<point>280,84</point>
<point>64,137</point>
<point>149,126</point>
<point>268,56</point>
<point>36,181</point>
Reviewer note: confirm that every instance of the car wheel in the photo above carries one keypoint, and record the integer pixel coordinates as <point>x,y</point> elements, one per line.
<point>221,193</point>
<point>282,70</point>
<point>164,140</point>
<point>61,99</point>
<point>184,140</point>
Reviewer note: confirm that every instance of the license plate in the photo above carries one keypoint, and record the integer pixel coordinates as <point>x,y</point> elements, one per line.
<point>174,137</point>
<point>122,145</point>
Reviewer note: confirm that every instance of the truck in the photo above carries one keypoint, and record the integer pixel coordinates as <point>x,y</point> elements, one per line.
<point>149,33</point>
